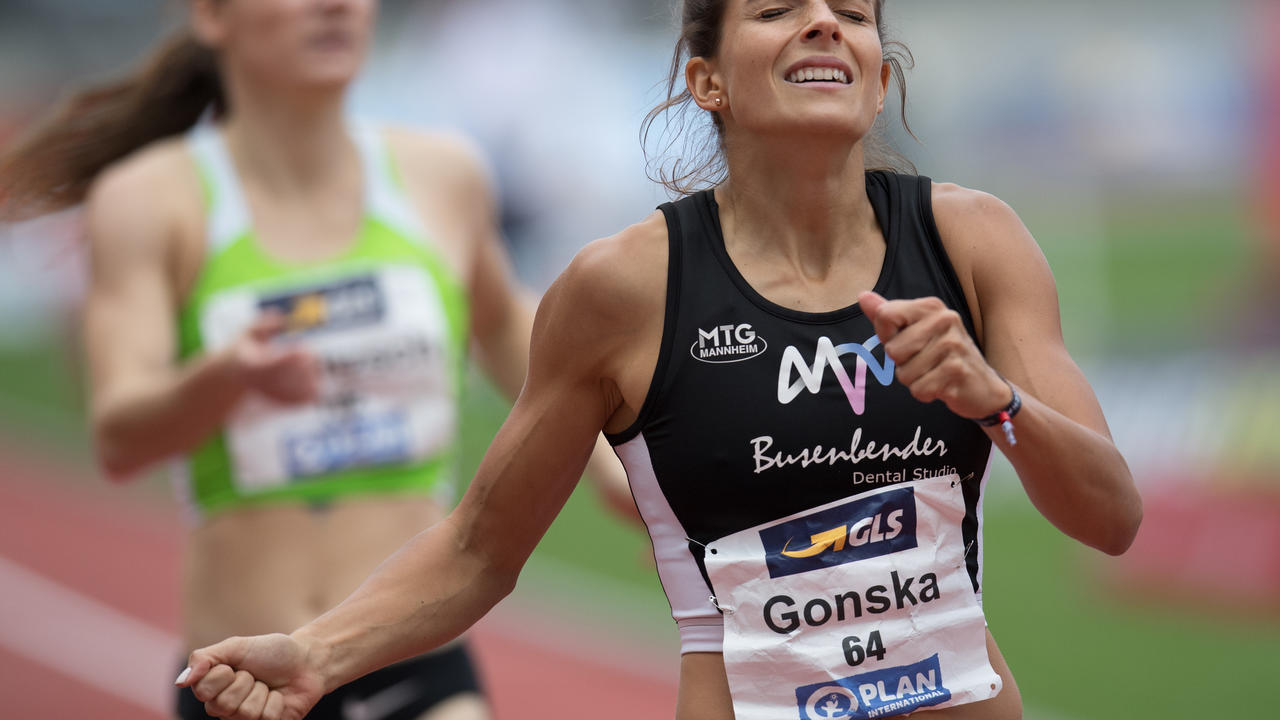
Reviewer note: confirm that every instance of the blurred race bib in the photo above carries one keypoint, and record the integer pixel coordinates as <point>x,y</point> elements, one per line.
<point>387,393</point>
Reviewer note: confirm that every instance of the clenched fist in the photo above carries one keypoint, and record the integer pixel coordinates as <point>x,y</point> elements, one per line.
<point>935,356</point>
<point>267,677</point>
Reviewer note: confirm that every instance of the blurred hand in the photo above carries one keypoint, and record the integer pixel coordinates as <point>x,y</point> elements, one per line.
<point>266,677</point>
<point>935,356</point>
<point>285,374</point>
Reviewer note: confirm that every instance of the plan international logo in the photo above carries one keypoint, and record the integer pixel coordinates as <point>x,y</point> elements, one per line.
<point>828,355</point>
<point>351,443</point>
<point>865,528</point>
<point>882,693</point>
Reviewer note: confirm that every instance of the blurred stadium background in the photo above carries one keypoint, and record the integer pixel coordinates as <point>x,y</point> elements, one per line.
<point>1138,139</point>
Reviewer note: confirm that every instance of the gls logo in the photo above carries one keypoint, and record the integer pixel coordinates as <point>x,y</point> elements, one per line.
<point>868,527</point>
<point>864,531</point>
<point>829,355</point>
<point>728,343</point>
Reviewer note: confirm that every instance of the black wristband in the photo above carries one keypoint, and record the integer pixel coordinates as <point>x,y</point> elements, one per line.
<point>1004,416</point>
<point>1005,413</point>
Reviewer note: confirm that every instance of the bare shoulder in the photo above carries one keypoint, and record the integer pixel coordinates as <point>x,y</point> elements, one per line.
<point>145,201</point>
<point>1001,268</point>
<point>448,180</point>
<point>625,273</point>
<point>610,299</point>
<point>439,159</point>
<point>162,171</point>
<point>975,222</point>
<point>985,239</point>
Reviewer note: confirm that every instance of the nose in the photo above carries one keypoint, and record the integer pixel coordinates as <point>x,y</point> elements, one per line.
<point>823,26</point>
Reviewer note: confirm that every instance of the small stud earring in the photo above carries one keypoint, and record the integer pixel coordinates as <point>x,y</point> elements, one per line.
<point>719,102</point>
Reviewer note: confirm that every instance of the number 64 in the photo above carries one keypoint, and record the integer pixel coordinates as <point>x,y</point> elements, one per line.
<point>855,653</point>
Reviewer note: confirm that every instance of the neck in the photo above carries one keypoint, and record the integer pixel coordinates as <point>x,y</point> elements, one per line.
<point>798,201</point>
<point>288,143</point>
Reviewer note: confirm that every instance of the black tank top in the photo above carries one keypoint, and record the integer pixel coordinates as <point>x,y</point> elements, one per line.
<point>757,411</point>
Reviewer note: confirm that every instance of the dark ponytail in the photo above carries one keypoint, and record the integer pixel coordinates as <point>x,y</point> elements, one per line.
<point>52,166</point>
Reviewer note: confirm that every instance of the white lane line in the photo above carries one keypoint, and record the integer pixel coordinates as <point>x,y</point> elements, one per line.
<point>77,636</point>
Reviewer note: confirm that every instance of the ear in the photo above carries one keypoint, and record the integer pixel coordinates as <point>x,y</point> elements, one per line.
<point>705,85</point>
<point>207,23</point>
<point>886,73</point>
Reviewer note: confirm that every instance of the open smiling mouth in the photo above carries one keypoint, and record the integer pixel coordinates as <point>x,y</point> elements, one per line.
<point>818,74</point>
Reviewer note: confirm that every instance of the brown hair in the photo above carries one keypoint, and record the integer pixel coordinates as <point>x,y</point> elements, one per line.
<point>52,166</point>
<point>702,161</point>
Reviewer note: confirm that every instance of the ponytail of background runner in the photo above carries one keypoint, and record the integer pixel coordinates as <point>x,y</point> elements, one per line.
<point>51,167</point>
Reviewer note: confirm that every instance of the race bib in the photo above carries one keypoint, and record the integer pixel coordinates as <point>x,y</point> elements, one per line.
<point>387,393</point>
<point>861,608</point>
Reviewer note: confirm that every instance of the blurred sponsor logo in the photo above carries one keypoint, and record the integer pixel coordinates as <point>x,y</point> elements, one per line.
<point>358,442</point>
<point>350,303</point>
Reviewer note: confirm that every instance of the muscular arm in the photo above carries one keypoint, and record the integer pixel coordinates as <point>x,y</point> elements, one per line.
<point>503,322</point>
<point>1064,456</point>
<point>143,407</point>
<point>502,311</point>
<point>584,372</point>
<point>447,577</point>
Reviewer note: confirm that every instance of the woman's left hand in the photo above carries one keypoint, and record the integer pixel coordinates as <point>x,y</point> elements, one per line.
<point>935,356</point>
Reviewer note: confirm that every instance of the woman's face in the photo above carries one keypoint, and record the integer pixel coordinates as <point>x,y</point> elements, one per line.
<point>313,44</point>
<point>798,65</point>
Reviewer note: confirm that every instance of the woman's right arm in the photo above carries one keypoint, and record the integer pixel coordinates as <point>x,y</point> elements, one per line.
<point>450,575</point>
<point>144,406</point>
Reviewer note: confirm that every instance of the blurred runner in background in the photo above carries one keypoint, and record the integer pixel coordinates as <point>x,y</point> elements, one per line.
<point>284,298</point>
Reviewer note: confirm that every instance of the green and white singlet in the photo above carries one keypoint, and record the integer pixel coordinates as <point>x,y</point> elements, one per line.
<point>387,320</point>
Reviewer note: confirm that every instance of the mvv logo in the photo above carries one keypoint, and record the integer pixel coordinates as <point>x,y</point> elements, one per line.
<point>828,355</point>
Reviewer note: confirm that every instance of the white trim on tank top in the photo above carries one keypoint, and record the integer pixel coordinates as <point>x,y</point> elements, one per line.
<point>228,211</point>
<point>384,199</point>
<point>700,623</point>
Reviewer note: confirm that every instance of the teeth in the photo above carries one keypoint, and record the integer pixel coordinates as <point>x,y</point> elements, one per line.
<point>820,73</point>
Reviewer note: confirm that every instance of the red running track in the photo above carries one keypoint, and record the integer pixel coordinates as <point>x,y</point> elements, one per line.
<point>89,615</point>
